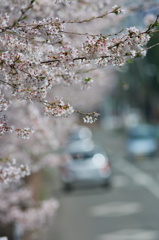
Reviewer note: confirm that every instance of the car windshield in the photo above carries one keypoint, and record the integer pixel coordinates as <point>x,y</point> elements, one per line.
<point>142,134</point>
<point>82,155</point>
<point>80,134</point>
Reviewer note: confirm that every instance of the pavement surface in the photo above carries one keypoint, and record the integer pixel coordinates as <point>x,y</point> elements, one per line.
<point>129,210</point>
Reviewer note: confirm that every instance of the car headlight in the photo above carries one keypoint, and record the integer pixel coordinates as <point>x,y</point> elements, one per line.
<point>99,159</point>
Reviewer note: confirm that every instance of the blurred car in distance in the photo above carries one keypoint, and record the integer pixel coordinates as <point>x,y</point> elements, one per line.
<point>79,133</point>
<point>142,141</point>
<point>85,163</point>
<point>132,117</point>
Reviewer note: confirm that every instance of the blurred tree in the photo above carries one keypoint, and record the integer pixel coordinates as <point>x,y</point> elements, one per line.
<point>138,83</point>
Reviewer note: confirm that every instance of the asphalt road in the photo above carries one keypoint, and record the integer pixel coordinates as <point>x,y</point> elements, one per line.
<point>129,210</point>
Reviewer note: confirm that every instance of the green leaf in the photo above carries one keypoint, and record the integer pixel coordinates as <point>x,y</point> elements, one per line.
<point>25,17</point>
<point>130,61</point>
<point>156,24</point>
<point>87,79</point>
<point>138,55</point>
<point>116,12</point>
<point>66,107</point>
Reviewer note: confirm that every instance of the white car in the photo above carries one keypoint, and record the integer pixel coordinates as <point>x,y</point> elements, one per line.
<point>142,141</point>
<point>79,133</point>
<point>85,163</point>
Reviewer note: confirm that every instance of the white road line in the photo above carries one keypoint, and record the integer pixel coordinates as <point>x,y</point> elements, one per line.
<point>139,176</point>
<point>119,181</point>
<point>130,234</point>
<point>115,209</point>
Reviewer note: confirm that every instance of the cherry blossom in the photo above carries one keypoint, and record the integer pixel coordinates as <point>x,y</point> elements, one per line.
<point>91,118</point>
<point>36,55</point>
<point>58,108</point>
<point>24,210</point>
<point>50,51</point>
<point>11,172</point>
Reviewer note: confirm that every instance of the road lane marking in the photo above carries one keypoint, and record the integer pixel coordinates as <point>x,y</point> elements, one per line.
<point>115,209</point>
<point>119,181</point>
<point>130,234</point>
<point>139,177</point>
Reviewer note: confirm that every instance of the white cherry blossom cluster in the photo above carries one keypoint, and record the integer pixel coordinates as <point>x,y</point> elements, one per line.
<point>33,218</point>
<point>116,50</point>
<point>36,54</point>
<point>4,123</point>
<point>40,51</point>
<point>24,133</point>
<point>23,197</point>
<point>117,10</point>
<point>62,1</point>
<point>42,48</point>
<point>4,103</point>
<point>87,83</point>
<point>4,20</point>
<point>58,108</point>
<point>9,171</point>
<point>91,118</point>
<point>81,9</point>
<point>49,136</point>
<point>49,28</point>
<point>24,210</point>
<point>5,128</point>
<point>66,77</point>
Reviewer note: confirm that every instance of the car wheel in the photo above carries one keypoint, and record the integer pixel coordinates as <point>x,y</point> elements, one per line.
<point>67,187</point>
<point>107,184</point>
